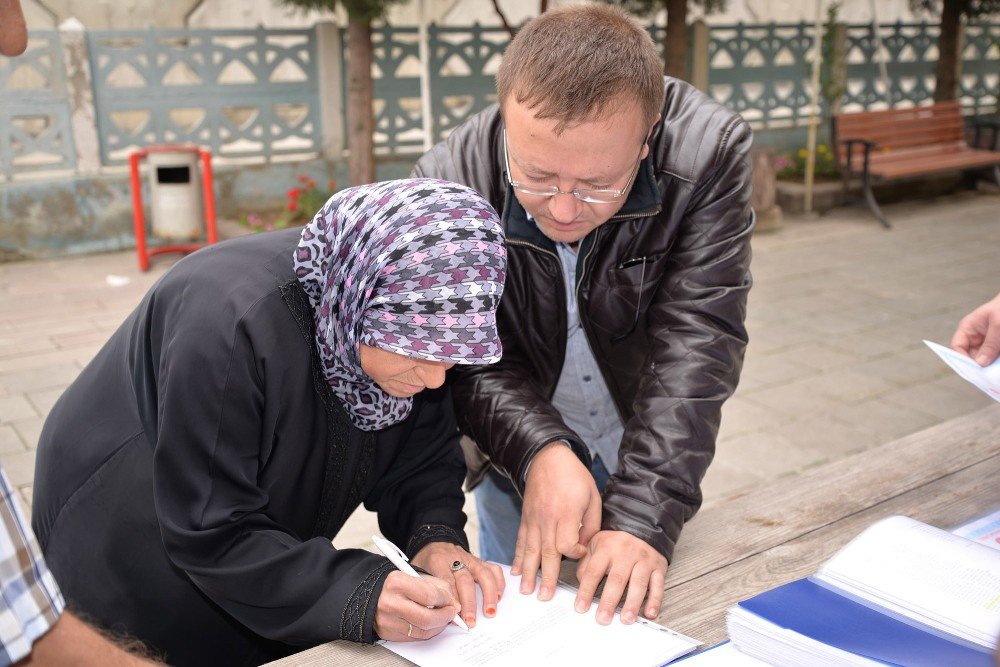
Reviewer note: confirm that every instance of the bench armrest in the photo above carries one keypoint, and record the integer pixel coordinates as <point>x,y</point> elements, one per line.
<point>869,145</point>
<point>993,124</point>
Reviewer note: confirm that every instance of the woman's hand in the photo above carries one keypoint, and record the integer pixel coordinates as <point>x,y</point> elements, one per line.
<point>414,608</point>
<point>438,558</point>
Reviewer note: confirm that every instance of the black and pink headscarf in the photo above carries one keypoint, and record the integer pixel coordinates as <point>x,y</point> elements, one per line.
<point>415,267</point>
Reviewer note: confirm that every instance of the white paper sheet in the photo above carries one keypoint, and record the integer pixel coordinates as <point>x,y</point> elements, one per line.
<point>987,379</point>
<point>528,632</point>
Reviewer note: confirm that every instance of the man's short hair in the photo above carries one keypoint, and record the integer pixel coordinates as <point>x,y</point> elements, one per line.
<point>581,63</point>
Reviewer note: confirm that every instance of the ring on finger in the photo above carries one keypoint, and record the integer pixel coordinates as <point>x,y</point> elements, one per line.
<point>457,565</point>
<point>409,633</point>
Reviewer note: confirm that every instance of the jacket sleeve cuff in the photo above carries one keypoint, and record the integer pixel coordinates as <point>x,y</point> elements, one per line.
<point>357,624</point>
<point>520,477</point>
<point>435,533</point>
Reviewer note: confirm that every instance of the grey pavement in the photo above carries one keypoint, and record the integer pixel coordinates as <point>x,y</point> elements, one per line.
<point>835,362</point>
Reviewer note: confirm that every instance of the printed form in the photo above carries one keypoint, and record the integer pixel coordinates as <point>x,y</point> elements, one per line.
<point>526,631</point>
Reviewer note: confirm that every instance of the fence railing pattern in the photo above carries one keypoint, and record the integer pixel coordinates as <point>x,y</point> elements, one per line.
<point>979,85</point>
<point>910,52</point>
<point>759,71</point>
<point>462,63</point>
<point>35,130</point>
<point>242,93</point>
<point>255,94</point>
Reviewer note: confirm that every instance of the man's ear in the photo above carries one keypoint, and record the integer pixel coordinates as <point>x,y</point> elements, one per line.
<point>649,133</point>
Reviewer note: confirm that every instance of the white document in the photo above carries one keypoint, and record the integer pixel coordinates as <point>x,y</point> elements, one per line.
<point>987,379</point>
<point>527,632</point>
<point>985,530</point>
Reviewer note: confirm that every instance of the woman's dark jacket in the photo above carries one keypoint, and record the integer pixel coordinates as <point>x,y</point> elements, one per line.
<point>661,290</point>
<point>188,483</point>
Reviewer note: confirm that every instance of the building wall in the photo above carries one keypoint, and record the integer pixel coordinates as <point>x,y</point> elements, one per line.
<point>249,13</point>
<point>224,13</point>
<point>121,14</point>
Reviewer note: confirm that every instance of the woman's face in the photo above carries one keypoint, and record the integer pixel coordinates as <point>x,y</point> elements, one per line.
<point>399,375</point>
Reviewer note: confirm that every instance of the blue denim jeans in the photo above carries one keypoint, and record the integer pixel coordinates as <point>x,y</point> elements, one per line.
<point>499,508</point>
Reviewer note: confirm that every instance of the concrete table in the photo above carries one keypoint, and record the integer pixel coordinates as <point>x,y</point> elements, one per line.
<point>787,528</point>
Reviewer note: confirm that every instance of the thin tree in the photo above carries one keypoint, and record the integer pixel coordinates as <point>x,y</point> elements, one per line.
<point>675,40</point>
<point>947,71</point>
<point>360,116</point>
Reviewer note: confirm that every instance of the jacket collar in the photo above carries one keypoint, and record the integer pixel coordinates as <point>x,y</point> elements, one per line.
<point>643,200</point>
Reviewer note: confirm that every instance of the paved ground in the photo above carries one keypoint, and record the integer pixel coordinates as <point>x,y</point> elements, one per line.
<point>835,363</point>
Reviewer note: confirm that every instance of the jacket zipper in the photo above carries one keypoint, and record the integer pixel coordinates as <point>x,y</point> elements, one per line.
<point>583,320</point>
<point>562,310</point>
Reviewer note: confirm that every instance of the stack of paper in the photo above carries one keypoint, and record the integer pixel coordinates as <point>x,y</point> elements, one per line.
<point>901,593</point>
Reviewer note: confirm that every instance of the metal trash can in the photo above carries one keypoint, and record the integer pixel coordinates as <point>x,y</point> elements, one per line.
<point>175,196</point>
<point>183,200</point>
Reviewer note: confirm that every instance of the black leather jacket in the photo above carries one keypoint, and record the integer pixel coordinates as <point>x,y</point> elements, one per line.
<point>661,289</point>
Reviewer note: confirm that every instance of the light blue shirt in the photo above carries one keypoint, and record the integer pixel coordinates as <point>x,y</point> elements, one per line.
<point>582,397</point>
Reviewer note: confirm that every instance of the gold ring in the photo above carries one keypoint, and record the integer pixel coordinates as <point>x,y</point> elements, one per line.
<point>409,633</point>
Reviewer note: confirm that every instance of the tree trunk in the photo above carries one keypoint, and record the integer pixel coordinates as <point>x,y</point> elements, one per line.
<point>675,41</point>
<point>360,118</point>
<point>948,57</point>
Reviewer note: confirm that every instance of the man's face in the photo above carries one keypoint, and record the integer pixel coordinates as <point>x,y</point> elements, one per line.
<point>599,154</point>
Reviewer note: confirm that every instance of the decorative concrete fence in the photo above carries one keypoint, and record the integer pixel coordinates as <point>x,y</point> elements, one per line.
<point>270,105</point>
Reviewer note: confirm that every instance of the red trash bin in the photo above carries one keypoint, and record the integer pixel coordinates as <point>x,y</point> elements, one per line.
<point>175,198</point>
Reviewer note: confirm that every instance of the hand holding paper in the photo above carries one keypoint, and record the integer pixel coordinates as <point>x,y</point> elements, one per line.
<point>978,334</point>
<point>987,379</point>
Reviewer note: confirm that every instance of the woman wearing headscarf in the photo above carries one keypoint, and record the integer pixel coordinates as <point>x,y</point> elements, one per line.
<point>189,482</point>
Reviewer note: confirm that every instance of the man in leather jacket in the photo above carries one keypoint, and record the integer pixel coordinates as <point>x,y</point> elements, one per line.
<point>625,198</point>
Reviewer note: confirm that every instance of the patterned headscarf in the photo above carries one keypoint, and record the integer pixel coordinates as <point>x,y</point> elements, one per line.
<point>415,267</point>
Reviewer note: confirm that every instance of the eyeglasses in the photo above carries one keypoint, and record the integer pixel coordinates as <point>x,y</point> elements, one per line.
<point>589,195</point>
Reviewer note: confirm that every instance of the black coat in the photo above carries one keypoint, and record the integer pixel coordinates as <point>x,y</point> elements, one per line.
<point>188,483</point>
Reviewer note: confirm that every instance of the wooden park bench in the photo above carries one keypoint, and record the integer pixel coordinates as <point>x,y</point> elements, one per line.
<point>904,143</point>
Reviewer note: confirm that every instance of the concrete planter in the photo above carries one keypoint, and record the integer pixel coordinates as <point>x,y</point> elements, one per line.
<point>790,195</point>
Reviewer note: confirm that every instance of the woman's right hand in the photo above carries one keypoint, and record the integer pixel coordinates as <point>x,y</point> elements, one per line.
<point>412,608</point>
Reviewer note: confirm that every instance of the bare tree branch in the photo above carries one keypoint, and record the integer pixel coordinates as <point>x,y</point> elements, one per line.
<point>503,19</point>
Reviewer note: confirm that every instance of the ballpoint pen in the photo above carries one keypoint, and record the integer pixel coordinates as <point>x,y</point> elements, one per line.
<point>399,559</point>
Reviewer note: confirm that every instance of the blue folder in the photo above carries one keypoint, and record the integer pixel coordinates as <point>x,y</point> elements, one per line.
<point>836,620</point>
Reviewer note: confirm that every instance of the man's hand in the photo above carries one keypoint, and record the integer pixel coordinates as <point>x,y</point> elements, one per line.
<point>562,511</point>
<point>438,557</point>
<point>978,333</point>
<point>625,560</point>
